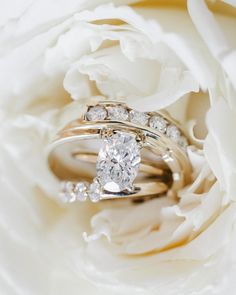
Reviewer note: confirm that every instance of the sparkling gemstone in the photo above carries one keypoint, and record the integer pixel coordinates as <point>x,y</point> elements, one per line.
<point>118,162</point>
<point>173,132</point>
<point>159,123</point>
<point>81,191</point>
<point>94,192</point>
<point>118,113</point>
<point>138,117</point>
<point>96,113</point>
<point>67,192</point>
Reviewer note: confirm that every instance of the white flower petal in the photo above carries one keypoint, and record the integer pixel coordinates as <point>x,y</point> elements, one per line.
<point>222,158</point>
<point>214,37</point>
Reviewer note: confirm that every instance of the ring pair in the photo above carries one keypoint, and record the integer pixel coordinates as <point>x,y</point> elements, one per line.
<point>137,154</point>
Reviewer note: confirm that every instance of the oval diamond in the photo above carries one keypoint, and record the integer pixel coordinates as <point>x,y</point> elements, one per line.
<point>118,162</point>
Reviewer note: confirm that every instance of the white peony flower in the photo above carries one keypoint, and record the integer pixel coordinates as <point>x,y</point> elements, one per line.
<point>55,58</point>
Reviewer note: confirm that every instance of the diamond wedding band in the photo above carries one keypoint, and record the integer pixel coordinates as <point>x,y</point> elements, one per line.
<point>137,154</point>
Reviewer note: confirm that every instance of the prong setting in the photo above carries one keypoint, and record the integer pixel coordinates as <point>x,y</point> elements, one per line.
<point>107,133</point>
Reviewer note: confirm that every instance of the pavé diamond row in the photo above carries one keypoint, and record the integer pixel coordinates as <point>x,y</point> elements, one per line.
<point>155,120</point>
<point>79,191</point>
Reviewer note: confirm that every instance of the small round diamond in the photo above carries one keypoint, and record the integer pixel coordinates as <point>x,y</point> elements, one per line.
<point>173,132</point>
<point>67,192</point>
<point>138,117</point>
<point>94,192</point>
<point>96,113</point>
<point>159,123</point>
<point>67,197</point>
<point>118,113</point>
<point>183,142</point>
<point>80,191</point>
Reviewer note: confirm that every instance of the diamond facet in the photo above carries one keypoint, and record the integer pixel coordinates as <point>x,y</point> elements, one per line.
<point>138,117</point>
<point>96,113</point>
<point>94,192</point>
<point>80,191</point>
<point>118,113</point>
<point>159,123</point>
<point>118,162</point>
<point>173,132</point>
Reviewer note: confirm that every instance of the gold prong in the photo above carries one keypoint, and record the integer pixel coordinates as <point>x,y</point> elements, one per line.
<point>106,133</point>
<point>140,138</point>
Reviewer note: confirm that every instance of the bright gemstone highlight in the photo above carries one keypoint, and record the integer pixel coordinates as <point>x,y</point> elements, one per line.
<point>118,162</point>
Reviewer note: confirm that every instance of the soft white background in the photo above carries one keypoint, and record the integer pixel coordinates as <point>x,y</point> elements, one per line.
<point>55,56</point>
